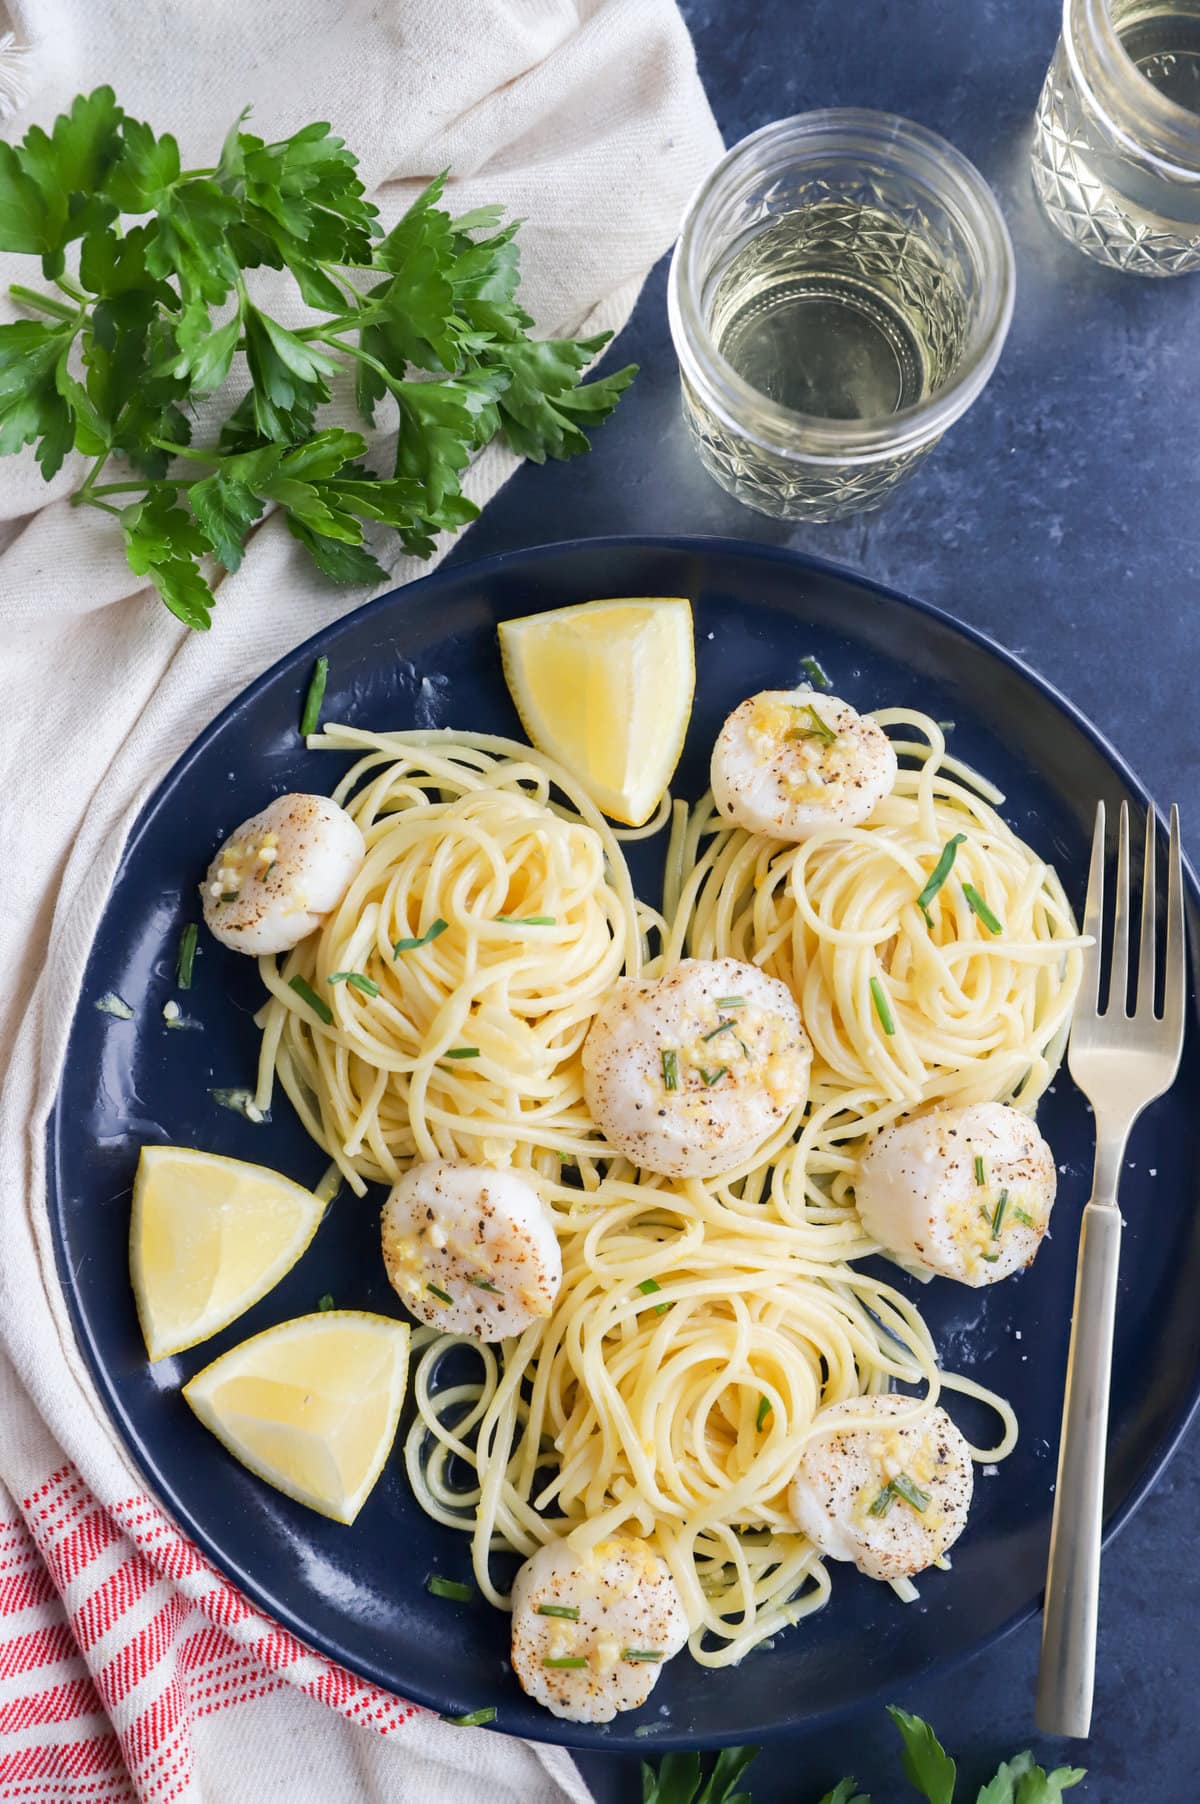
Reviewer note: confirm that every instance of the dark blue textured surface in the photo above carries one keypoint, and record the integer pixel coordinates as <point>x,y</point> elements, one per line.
<point>1062,515</point>
<point>758,612</point>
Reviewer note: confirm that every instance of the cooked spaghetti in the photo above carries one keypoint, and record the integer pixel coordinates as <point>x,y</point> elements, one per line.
<point>701,1324</point>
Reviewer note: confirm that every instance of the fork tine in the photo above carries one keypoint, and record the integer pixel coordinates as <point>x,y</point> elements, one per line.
<point>1147,951</point>
<point>1093,914</point>
<point>1174,981</point>
<point>1118,983</point>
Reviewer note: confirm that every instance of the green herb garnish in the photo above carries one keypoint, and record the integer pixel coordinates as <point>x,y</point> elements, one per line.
<point>882,1007</point>
<point>998,1217</point>
<point>112,1004</point>
<point>731,1002</point>
<point>911,1493</point>
<point>765,1407</point>
<point>185,958</point>
<point>1023,1216</point>
<point>356,980</point>
<point>485,1284</point>
<point>979,908</point>
<point>816,673</point>
<point>439,1293</point>
<point>307,994</point>
<point>722,1027</point>
<point>980,1170</point>
<point>640,1653</point>
<point>325,1302</point>
<point>566,1662</point>
<point>939,874</point>
<point>452,1588</point>
<point>117,360</point>
<point>473,1718</point>
<point>713,1077</point>
<point>242,1103</point>
<point>528,920</point>
<point>670,1068</point>
<point>570,1612</point>
<point>311,717</point>
<point>461,1052</point>
<point>648,1286</point>
<point>423,939</point>
<point>989,1258</point>
<point>228,895</point>
<point>819,729</point>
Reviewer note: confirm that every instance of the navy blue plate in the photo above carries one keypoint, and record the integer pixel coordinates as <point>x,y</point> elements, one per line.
<point>427,655</point>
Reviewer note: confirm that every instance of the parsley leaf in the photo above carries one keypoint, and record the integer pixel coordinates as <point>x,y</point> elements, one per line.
<point>1020,1781</point>
<point>926,1764</point>
<point>679,1779</point>
<point>846,1792</point>
<point>160,315</point>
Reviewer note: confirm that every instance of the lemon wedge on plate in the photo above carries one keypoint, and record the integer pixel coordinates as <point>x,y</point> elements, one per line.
<point>311,1406</point>
<point>606,689</point>
<point>209,1237</point>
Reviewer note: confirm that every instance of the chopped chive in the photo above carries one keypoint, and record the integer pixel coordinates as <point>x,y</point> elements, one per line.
<point>731,1002</point>
<point>310,718</point>
<point>928,916</point>
<point>820,729</point>
<point>229,895</point>
<point>713,1077</point>
<point>325,1302</point>
<point>648,1286</point>
<point>242,1103</point>
<point>356,980</point>
<point>641,1653</point>
<point>422,939</point>
<point>980,1169</point>
<point>670,1068</point>
<point>112,1004</point>
<point>185,958</point>
<point>566,1662</point>
<point>884,1501</point>
<point>912,1494</point>
<point>1024,1217</point>
<point>998,1217</point>
<point>989,1258</point>
<point>439,1293</point>
<point>569,1612</point>
<point>485,1284</point>
<point>444,1587</point>
<point>816,672</point>
<point>979,907</point>
<point>722,1027</point>
<point>882,1007</point>
<point>528,920</point>
<point>947,726</point>
<point>461,1052</point>
<point>307,994</point>
<point>939,874</point>
<point>473,1718</point>
<point>764,1409</point>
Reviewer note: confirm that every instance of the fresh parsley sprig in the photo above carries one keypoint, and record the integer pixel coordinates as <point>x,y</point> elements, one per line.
<point>115,356</point>
<point>680,1779</point>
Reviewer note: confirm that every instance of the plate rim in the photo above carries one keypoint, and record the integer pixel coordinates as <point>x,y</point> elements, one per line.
<point>555,1730</point>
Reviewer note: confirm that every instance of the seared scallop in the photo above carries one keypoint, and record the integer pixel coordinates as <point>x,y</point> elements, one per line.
<point>890,1498</point>
<point>275,879</point>
<point>788,762</point>
<point>963,1192</point>
<point>471,1250</point>
<point>592,1631</point>
<point>689,1073</point>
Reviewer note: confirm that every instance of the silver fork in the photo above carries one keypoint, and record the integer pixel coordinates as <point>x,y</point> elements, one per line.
<point>1121,1062</point>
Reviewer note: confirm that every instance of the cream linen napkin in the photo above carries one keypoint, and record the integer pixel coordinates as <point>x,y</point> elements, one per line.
<point>589,120</point>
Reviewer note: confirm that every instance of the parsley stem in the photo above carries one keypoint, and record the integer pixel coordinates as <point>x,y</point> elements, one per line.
<point>73,289</point>
<point>43,303</point>
<point>90,501</point>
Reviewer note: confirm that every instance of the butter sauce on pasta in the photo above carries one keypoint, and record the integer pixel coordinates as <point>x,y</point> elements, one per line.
<point>701,1324</point>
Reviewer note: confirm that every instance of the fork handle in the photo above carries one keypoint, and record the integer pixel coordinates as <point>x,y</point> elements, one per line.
<point>1068,1664</point>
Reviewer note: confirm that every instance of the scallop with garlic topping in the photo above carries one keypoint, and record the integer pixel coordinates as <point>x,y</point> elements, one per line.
<point>689,1073</point>
<point>788,762</point>
<point>591,1631</point>
<point>275,879</point>
<point>890,1497</point>
<point>966,1193</point>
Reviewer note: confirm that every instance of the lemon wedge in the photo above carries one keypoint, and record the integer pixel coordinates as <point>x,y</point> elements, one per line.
<point>606,689</point>
<point>209,1237</point>
<point>311,1405</point>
